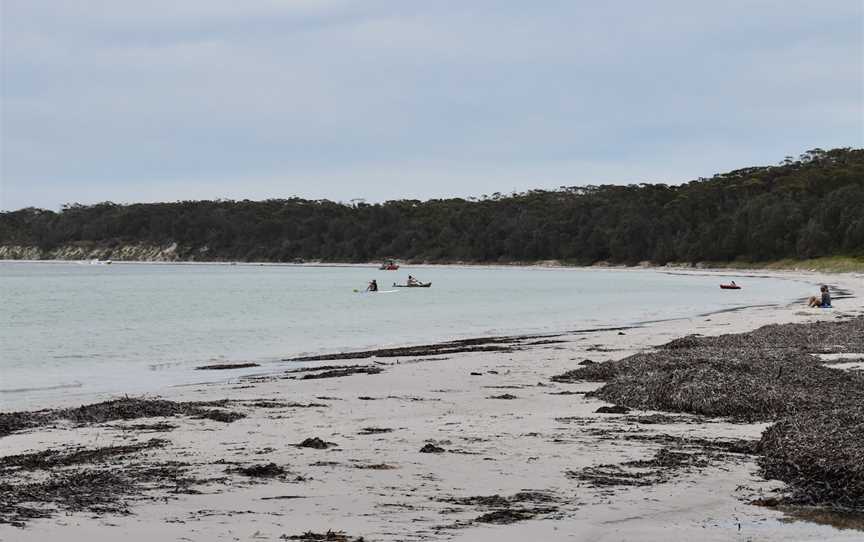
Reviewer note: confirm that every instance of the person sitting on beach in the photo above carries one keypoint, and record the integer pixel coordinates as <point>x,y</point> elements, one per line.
<point>373,286</point>
<point>821,302</point>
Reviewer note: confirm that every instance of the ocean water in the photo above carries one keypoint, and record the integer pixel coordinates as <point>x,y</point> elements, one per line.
<point>80,329</point>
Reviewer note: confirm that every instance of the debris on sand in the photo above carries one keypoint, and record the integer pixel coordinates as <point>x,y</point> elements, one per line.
<point>481,344</point>
<point>765,375</point>
<point>158,427</point>
<point>816,337</point>
<point>224,416</point>
<point>646,472</point>
<point>507,396</point>
<point>329,536</point>
<point>505,516</point>
<point>316,443</point>
<point>507,510</point>
<point>587,362</point>
<point>376,466</point>
<point>78,480</point>
<point>819,455</point>
<point>225,366</point>
<point>498,501</point>
<point>348,371</point>
<point>49,459</point>
<point>614,409</point>
<point>127,408</point>
<point>430,448</point>
<point>268,470</point>
<point>663,419</point>
<point>751,384</point>
<point>374,430</point>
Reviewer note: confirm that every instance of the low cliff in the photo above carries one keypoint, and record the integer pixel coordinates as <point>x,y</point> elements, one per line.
<point>87,251</point>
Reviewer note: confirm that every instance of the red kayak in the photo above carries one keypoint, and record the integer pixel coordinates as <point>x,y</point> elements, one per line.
<point>730,287</point>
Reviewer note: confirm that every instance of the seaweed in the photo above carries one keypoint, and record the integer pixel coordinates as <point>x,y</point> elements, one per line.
<point>819,455</point>
<point>126,408</point>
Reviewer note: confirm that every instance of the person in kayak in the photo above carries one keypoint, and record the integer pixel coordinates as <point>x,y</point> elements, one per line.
<point>373,286</point>
<point>824,301</point>
<point>412,281</point>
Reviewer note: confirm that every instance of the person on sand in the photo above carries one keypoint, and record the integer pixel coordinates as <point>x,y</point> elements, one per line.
<point>373,286</point>
<point>821,302</point>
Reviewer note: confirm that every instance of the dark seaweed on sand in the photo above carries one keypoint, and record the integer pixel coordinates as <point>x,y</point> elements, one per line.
<point>48,459</point>
<point>268,470</point>
<point>91,480</point>
<point>756,376</point>
<point>817,444</point>
<point>820,454</point>
<point>817,337</point>
<point>329,536</point>
<point>127,408</point>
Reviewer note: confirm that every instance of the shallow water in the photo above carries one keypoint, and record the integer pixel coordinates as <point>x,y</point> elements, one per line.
<point>71,328</point>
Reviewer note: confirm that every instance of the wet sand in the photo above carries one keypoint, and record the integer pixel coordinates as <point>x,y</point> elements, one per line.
<point>467,442</point>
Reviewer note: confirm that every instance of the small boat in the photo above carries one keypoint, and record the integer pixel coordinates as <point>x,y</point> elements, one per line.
<point>732,286</point>
<point>389,266</point>
<point>418,285</point>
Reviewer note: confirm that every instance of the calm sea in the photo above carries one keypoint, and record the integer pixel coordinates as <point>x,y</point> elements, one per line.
<point>74,328</point>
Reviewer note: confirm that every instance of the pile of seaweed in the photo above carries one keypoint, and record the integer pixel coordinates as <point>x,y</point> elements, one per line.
<point>820,454</point>
<point>82,479</point>
<point>815,337</point>
<point>747,384</point>
<point>127,408</point>
<point>817,444</point>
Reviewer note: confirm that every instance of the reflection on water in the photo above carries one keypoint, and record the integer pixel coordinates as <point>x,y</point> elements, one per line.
<point>839,519</point>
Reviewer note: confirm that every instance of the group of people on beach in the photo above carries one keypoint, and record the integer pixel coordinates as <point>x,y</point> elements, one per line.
<point>822,301</point>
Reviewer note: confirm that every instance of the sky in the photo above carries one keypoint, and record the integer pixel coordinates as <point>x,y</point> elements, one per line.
<point>131,101</point>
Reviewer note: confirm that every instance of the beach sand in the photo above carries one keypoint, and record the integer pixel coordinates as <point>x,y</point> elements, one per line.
<point>505,429</point>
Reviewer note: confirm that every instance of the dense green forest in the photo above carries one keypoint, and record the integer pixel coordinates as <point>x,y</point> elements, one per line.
<point>803,208</point>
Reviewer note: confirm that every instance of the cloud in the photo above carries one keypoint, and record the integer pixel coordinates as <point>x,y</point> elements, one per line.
<point>142,100</point>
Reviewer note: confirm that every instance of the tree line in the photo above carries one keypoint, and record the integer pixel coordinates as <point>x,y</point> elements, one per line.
<point>802,208</point>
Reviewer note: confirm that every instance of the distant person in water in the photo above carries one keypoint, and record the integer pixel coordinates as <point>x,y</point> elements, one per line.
<point>823,301</point>
<point>373,286</point>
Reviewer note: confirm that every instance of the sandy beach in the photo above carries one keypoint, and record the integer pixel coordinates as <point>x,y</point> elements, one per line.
<point>470,442</point>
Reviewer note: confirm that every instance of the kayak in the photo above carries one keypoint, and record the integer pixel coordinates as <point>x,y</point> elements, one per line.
<point>420,285</point>
<point>389,267</point>
<point>730,287</point>
<point>375,292</point>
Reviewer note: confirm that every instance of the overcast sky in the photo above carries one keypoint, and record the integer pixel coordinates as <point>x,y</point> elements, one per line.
<point>200,99</point>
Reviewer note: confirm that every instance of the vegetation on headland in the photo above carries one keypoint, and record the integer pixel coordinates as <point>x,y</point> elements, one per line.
<point>809,208</point>
<point>826,264</point>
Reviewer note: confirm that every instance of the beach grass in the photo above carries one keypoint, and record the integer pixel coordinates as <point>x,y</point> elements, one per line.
<point>826,264</point>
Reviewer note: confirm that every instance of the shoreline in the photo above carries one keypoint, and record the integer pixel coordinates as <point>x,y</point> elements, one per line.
<point>504,429</point>
<point>275,364</point>
<point>778,266</point>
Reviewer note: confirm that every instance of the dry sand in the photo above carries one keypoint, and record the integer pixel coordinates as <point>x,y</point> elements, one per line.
<point>379,486</point>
